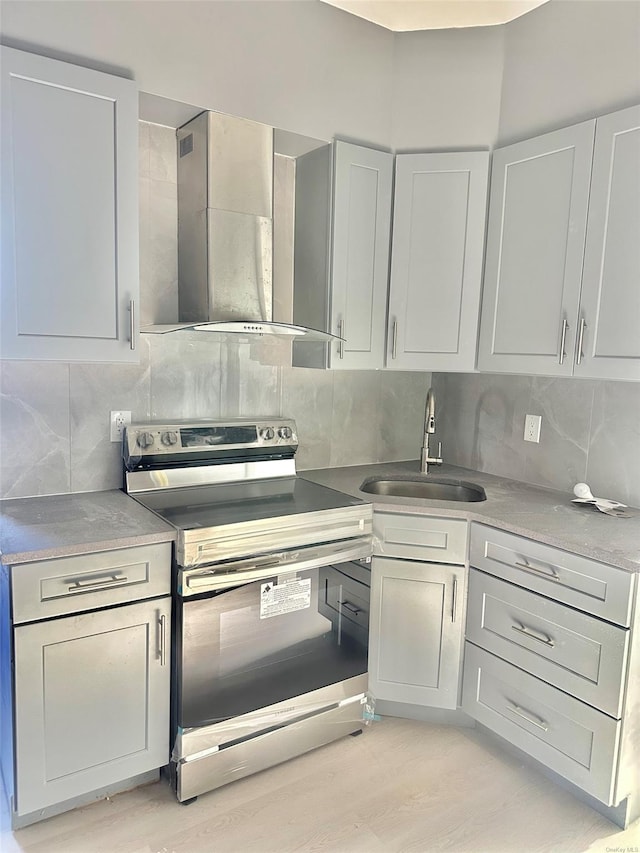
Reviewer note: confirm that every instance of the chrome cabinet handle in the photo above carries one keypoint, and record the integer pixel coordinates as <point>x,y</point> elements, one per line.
<point>162,640</point>
<point>529,717</point>
<point>88,585</point>
<point>550,575</point>
<point>350,607</point>
<point>454,600</point>
<point>394,339</point>
<point>563,339</point>
<point>132,324</point>
<point>543,638</point>
<point>341,335</point>
<point>579,353</point>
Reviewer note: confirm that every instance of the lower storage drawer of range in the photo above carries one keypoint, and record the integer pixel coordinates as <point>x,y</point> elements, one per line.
<point>571,738</point>
<point>584,656</point>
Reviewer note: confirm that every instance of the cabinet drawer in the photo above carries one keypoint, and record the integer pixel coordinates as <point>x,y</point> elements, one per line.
<point>578,581</point>
<point>571,738</point>
<point>579,654</point>
<point>417,537</point>
<point>71,584</point>
<point>346,596</point>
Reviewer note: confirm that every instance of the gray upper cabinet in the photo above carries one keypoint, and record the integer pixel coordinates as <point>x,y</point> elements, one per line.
<point>69,211</point>
<point>610,302</point>
<point>360,255</point>
<point>437,254</point>
<point>561,294</point>
<point>535,244</point>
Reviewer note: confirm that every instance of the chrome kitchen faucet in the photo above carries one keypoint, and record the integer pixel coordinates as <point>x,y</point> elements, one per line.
<point>429,429</point>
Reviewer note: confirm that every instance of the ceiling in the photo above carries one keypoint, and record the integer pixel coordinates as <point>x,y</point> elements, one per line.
<point>405,15</point>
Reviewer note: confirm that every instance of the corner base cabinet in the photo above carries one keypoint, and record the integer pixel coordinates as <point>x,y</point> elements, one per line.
<point>418,589</point>
<point>90,687</point>
<point>416,634</point>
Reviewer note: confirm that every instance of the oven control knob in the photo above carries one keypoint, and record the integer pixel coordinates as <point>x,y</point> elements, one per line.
<point>267,433</point>
<point>169,438</point>
<point>145,439</point>
<point>285,432</point>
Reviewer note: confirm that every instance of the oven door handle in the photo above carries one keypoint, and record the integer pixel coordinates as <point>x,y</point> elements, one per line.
<point>212,578</point>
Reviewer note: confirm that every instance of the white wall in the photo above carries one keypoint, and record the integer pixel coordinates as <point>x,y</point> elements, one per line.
<point>305,66</point>
<point>296,64</point>
<point>446,89</point>
<point>567,61</point>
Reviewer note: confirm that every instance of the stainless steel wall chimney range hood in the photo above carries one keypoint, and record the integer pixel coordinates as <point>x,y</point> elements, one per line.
<point>241,247</point>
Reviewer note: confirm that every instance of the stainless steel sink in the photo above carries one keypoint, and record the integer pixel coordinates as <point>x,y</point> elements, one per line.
<point>419,487</point>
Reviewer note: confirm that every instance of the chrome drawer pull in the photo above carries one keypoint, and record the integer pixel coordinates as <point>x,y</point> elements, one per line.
<point>529,717</point>
<point>132,324</point>
<point>341,335</point>
<point>394,340</point>
<point>85,586</point>
<point>552,575</point>
<point>522,629</point>
<point>579,348</point>
<point>563,338</point>
<point>350,607</point>
<point>454,600</point>
<point>162,640</point>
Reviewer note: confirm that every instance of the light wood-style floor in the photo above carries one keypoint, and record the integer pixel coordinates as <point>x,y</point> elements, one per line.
<point>402,786</point>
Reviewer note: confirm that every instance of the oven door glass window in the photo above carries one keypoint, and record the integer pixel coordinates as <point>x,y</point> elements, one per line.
<point>268,641</point>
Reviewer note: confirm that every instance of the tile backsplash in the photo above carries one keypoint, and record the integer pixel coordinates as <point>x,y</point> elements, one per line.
<point>55,416</point>
<point>590,430</point>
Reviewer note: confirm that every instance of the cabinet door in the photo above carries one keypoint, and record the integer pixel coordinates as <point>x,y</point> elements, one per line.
<point>535,245</point>
<point>360,255</point>
<point>436,260</point>
<point>69,211</point>
<point>415,632</point>
<point>610,303</point>
<point>92,701</point>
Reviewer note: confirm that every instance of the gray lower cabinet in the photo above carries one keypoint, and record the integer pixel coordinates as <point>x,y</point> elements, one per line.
<point>70,278</point>
<point>566,735</point>
<point>415,632</point>
<point>85,659</point>
<point>91,697</point>
<point>551,651</point>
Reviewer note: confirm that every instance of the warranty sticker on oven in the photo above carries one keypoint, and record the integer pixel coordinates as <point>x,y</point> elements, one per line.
<point>287,597</point>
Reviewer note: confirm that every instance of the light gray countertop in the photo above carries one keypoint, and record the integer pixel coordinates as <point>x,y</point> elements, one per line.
<point>545,515</point>
<point>66,525</point>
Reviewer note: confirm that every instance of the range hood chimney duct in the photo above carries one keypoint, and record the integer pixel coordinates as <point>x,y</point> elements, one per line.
<point>225,229</point>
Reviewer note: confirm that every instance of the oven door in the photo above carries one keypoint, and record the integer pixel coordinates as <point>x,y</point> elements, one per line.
<point>251,645</point>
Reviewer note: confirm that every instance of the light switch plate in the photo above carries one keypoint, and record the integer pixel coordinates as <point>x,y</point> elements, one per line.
<point>532,424</point>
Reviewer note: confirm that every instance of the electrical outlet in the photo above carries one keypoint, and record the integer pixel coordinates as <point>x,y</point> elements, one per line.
<point>532,424</point>
<point>118,421</point>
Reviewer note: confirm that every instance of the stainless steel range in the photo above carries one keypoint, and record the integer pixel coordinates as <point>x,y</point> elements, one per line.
<point>271,596</point>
